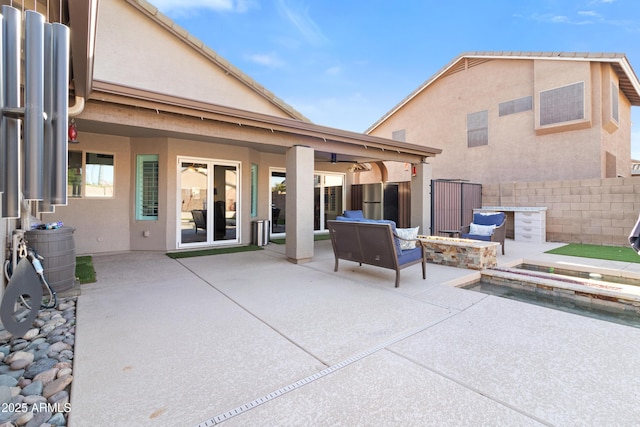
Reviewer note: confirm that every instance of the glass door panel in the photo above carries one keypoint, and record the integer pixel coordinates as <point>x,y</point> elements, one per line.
<point>225,202</point>
<point>278,203</point>
<point>333,194</point>
<point>194,189</point>
<point>317,211</point>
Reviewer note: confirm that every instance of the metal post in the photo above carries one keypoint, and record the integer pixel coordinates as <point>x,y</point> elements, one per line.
<point>11,136</point>
<point>48,157</point>
<point>60,36</point>
<point>33,106</point>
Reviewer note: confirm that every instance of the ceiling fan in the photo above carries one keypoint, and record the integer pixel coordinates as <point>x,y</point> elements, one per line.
<point>356,166</point>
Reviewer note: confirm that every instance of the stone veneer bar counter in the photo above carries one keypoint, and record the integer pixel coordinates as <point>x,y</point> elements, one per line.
<point>463,253</point>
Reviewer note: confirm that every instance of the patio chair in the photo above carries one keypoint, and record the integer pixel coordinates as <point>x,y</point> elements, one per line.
<point>199,219</point>
<point>490,227</point>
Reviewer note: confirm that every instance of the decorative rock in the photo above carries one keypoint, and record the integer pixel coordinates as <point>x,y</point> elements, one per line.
<point>5,349</point>
<point>24,418</point>
<point>31,334</point>
<point>66,354</point>
<point>19,355</point>
<point>64,371</point>
<point>57,385</point>
<point>5,394</point>
<point>39,418</point>
<point>65,306</point>
<point>23,382</point>
<point>57,420</point>
<point>59,400</point>
<point>58,347</point>
<point>62,365</point>
<point>33,388</point>
<point>15,374</point>
<point>41,354</point>
<point>47,376</point>
<point>35,343</point>
<point>27,372</point>
<point>39,366</point>
<point>34,399</point>
<point>17,346</point>
<point>6,380</point>
<point>19,364</point>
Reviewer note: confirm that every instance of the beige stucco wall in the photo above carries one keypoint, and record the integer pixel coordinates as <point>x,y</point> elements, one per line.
<point>594,211</point>
<point>102,224</point>
<point>156,229</point>
<point>159,61</point>
<point>518,149</point>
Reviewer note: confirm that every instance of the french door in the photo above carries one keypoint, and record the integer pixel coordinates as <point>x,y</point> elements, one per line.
<point>328,199</point>
<point>208,202</point>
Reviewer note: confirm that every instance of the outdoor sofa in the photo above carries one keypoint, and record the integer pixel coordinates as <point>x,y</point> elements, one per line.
<point>374,242</point>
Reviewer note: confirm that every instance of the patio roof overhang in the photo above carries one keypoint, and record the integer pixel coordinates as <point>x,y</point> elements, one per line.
<point>189,119</point>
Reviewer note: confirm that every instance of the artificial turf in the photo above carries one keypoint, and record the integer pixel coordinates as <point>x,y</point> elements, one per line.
<point>316,238</point>
<point>215,251</point>
<point>612,253</point>
<point>85,273</point>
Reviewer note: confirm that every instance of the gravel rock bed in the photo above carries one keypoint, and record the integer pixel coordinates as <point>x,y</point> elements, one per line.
<point>37,369</point>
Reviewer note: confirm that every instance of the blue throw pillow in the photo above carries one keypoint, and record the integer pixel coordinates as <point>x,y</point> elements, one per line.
<point>353,214</point>
<point>488,219</point>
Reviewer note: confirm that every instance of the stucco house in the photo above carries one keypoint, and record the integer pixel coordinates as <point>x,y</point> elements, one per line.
<point>522,116</point>
<point>169,132</point>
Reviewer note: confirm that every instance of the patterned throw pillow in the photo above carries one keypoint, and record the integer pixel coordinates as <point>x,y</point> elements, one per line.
<point>481,230</point>
<point>407,233</point>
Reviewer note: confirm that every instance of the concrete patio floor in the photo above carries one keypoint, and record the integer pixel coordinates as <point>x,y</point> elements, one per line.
<point>193,342</point>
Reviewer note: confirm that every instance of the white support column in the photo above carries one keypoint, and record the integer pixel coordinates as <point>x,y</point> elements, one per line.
<point>421,198</point>
<point>299,202</point>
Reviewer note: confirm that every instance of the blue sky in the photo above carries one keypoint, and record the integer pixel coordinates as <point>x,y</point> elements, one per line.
<point>345,63</point>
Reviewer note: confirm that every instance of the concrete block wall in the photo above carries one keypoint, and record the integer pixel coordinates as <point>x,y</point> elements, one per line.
<point>594,211</point>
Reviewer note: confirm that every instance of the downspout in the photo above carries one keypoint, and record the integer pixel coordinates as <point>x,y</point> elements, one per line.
<point>77,107</point>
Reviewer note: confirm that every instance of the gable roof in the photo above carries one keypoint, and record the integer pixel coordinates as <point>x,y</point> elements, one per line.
<point>629,83</point>
<point>196,44</point>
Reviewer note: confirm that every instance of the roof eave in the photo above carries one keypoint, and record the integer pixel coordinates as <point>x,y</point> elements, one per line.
<point>155,101</point>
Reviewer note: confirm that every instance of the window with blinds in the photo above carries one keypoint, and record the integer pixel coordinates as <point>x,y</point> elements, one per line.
<point>515,106</point>
<point>563,104</point>
<point>147,187</point>
<point>478,129</point>
<point>399,135</point>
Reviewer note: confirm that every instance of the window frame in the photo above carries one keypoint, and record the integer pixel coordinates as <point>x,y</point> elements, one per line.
<point>84,172</point>
<point>141,159</point>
